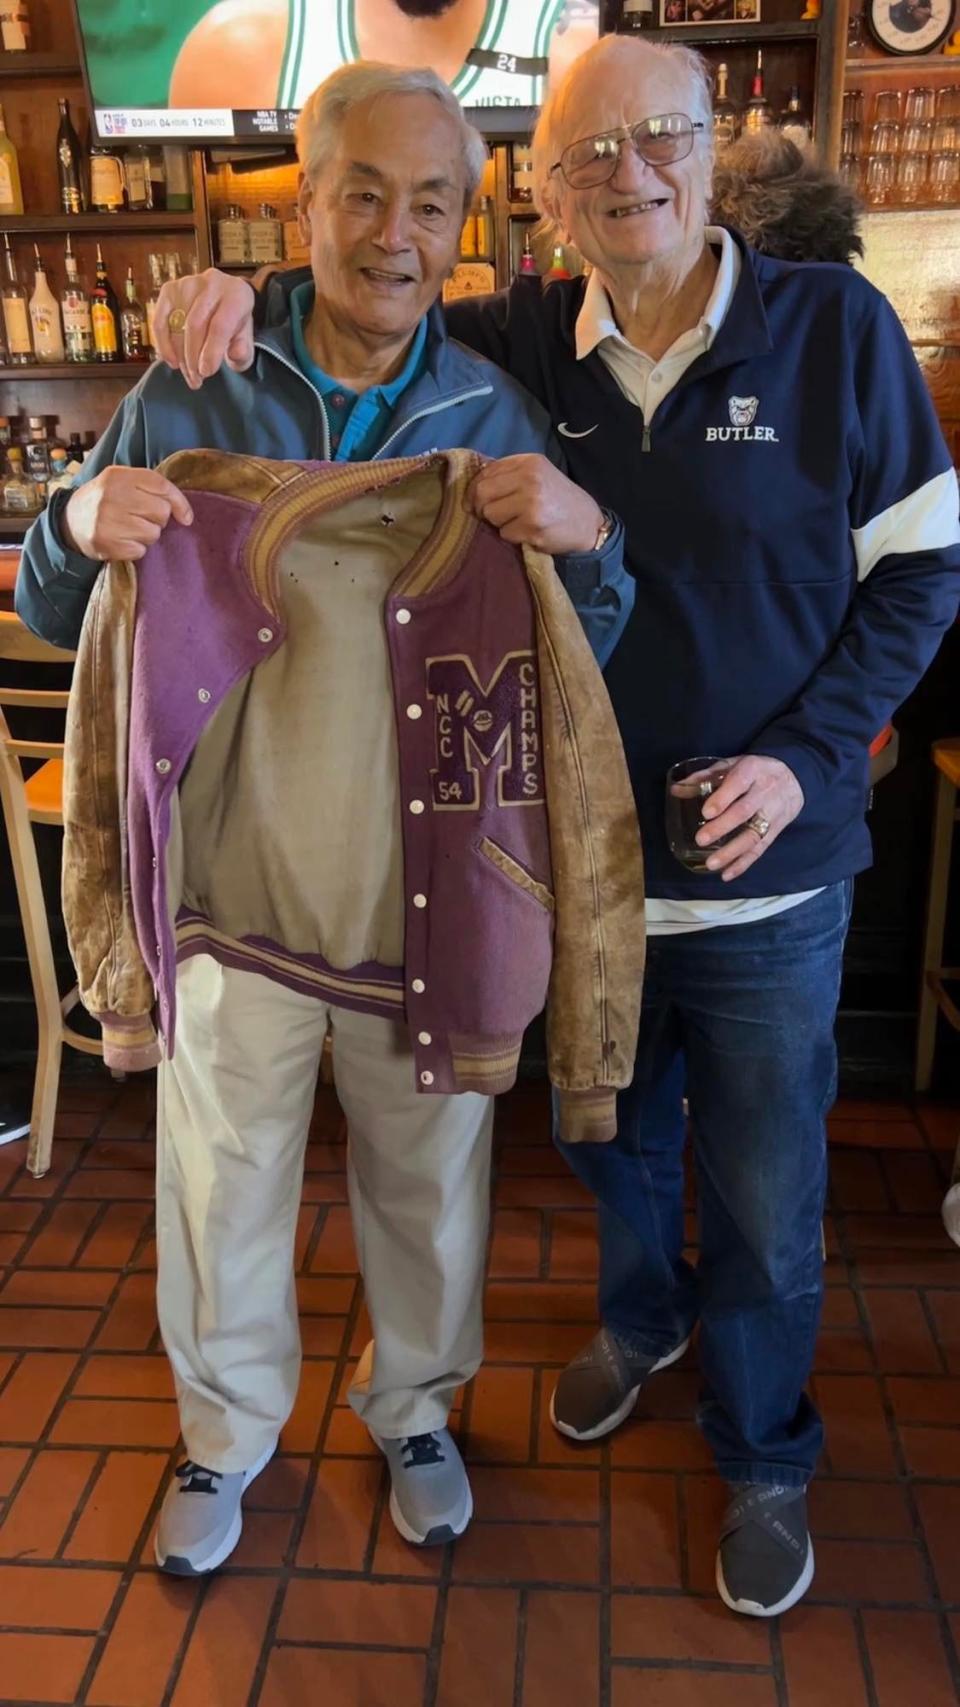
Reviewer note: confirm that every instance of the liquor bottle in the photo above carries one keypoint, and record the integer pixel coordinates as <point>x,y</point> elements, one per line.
<point>59,476</point>
<point>15,26</point>
<point>528,266</point>
<point>70,163</point>
<point>36,452</point>
<point>637,15</point>
<point>133,324</point>
<point>105,314</point>
<point>75,450</point>
<point>158,181</point>
<point>176,165</point>
<point>45,316</point>
<point>11,195</point>
<point>521,173</point>
<point>156,281</point>
<point>757,113</point>
<point>726,115</point>
<point>172,265</point>
<point>558,268</point>
<point>21,497</point>
<point>106,180</point>
<point>75,305</point>
<point>16,314</point>
<point>793,120</point>
<point>136,172</point>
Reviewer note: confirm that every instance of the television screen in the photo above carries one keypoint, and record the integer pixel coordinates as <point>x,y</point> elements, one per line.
<point>212,69</point>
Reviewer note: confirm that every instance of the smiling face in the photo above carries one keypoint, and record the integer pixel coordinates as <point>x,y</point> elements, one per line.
<point>643,213</point>
<point>383,214</point>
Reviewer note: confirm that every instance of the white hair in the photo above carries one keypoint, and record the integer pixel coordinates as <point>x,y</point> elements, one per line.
<point>549,139</point>
<point>326,108</point>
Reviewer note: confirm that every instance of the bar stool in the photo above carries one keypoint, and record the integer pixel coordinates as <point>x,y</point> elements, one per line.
<point>935,998</point>
<point>37,799</point>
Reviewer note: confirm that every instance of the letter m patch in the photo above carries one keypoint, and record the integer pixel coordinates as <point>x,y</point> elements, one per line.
<point>486,732</point>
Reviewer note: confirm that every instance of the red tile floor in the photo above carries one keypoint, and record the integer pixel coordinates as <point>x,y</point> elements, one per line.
<point>586,1580</point>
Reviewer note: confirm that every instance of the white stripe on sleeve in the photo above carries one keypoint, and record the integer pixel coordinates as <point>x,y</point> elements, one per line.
<point>928,520</point>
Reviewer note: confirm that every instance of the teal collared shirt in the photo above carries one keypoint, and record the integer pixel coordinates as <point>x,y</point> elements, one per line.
<point>358,424</point>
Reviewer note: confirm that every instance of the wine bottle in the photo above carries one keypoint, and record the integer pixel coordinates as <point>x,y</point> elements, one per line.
<point>726,115</point>
<point>75,305</point>
<point>758,112</point>
<point>793,120</point>
<point>11,194</point>
<point>105,314</point>
<point>16,314</point>
<point>45,316</point>
<point>70,163</point>
<point>133,324</point>
<point>136,171</point>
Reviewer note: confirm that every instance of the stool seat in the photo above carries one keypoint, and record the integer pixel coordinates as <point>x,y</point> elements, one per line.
<point>44,793</point>
<point>946,757</point>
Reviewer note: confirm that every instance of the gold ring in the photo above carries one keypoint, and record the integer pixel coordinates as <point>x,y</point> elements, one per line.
<point>177,320</point>
<point>759,825</point>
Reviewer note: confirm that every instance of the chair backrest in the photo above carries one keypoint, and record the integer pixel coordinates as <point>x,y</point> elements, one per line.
<point>19,646</point>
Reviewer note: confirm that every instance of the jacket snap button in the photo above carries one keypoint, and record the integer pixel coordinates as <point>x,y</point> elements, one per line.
<point>425,1038</point>
<point>265,634</point>
<point>416,807</point>
<point>420,901</point>
<point>203,695</point>
<point>403,616</point>
<point>162,765</point>
<point>426,1078</point>
<point>418,986</point>
<point>414,711</point>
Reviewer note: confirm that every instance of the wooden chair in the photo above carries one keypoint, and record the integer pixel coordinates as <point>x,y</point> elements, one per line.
<point>38,799</point>
<point>935,998</point>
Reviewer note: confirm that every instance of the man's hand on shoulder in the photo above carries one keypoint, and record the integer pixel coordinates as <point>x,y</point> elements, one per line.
<point>204,321</point>
<point>121,512</point>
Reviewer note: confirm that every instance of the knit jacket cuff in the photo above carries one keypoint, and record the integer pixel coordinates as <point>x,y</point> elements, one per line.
<point>587,1117</point>
<point>130,1043</point>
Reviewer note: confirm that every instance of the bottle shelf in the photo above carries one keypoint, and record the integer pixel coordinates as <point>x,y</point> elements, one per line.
<point>522,210</point>
<point>76,370</point>
<point>890,68</point>
<point>13,65</point>
<point>38,224</point>
<point>718,33</point>
<point>11,527</point>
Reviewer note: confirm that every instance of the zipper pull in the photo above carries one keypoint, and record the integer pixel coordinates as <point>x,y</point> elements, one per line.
<point>645,441</point>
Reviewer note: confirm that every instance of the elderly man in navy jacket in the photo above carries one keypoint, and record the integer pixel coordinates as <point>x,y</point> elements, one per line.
<point>792,528</point>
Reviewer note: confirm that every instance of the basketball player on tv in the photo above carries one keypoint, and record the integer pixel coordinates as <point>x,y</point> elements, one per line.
<point>271,53</point>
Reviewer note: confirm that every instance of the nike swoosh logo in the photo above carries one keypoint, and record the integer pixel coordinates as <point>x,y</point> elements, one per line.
<point>565,430</point>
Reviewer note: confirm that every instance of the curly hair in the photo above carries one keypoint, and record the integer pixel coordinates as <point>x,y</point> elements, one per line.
<point>785,203</point>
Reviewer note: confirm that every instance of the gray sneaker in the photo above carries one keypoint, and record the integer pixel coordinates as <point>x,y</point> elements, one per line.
<point>201,1519</point>
<point>599,1389</point>
<point>430,1498</point>
<point>765,1561</point>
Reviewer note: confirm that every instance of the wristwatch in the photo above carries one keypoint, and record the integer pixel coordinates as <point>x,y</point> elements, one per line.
<point>603,533</point>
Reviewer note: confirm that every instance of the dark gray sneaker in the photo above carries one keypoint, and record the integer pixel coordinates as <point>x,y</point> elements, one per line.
<point>430,1498</point>
<point>765,1561</point>
<point>599,1389</point>
<point>201,1519</point>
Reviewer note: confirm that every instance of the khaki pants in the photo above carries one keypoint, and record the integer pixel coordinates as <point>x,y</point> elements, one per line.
<point>234,1108</point>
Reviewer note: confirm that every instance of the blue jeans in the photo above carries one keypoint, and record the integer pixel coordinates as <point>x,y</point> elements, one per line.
<point>743,1015</point>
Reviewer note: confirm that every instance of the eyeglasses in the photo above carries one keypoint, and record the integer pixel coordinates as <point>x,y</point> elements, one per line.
<point>659,141</point>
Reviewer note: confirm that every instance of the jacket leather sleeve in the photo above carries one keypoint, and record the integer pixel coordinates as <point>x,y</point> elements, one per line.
<point>113,980</point>
<point>593,1009</point>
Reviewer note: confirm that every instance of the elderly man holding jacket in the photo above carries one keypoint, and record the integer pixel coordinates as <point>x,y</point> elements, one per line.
<point>363,372</point>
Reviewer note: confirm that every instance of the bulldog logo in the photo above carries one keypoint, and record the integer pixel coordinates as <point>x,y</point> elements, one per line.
<point>743,410</point>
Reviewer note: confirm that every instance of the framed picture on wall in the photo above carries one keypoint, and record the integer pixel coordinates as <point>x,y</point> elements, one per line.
<point>909,26</point>
<point>677,12</point>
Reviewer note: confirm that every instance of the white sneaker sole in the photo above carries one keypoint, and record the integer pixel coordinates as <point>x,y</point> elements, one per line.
<point>753,1608</point>
<point>623,1410</point>
<point>212,1561</point>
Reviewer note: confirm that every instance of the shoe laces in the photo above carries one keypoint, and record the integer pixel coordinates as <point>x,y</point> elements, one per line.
<point>420,1450</point>
<point>194,1479</point>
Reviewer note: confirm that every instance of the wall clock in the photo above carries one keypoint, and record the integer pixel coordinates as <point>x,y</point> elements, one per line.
<point>909,26</point>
